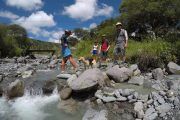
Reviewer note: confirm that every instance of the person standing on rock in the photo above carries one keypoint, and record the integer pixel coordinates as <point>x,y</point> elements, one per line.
<point>121,43</point>
<point>66,52</point>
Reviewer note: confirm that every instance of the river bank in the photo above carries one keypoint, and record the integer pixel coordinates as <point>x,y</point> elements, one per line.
<point>30,90</point>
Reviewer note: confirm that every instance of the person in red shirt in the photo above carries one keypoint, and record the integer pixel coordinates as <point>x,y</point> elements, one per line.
<point>104,48</point>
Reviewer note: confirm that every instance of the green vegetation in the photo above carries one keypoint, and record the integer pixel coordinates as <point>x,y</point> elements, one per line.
<point>14,41</point>
<point>162,17</point>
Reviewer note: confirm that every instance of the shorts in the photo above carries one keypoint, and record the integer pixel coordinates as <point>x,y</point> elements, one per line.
<point>95,52</point>
<point>66,58</point>
<point>66,52</point>
<point>119,50</point>
<point>104,54</point>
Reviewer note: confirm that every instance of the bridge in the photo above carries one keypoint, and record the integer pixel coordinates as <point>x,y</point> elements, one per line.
<point>39,51</point>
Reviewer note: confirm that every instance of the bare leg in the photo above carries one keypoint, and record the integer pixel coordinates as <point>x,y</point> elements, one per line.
<point>73,62</point>
<point>63,65</point>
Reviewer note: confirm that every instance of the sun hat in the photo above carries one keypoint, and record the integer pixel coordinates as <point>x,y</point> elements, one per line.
<point>118,23</point>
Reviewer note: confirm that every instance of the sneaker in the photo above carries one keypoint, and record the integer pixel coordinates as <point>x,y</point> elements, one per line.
<point>62,72</point>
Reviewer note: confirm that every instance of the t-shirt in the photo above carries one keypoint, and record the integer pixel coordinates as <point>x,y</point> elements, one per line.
<point>121,37</point>
<point>95,47</point>
<point>64,45</point>
<point>104,45</point>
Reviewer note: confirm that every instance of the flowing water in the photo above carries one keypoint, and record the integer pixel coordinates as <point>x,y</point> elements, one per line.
<point>34,105</point>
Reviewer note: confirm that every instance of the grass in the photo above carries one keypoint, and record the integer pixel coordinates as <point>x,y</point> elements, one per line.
<point>149,53</point>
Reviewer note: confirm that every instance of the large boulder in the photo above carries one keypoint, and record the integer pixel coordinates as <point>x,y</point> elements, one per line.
<point>119,74</point>
<point>87,80</point>
<point>65,93</point>
<point>158,74</point>
<point>49,86</point>
<point>15,89</point>
<point>173,68</point>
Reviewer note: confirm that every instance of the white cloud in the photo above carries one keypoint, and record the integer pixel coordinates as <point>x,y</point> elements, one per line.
<point>92,25</point>
<point>56,35</point>
<point>36,21</point>
<point>25,4</point>
<point>8,14</point>
<point>87,9</point>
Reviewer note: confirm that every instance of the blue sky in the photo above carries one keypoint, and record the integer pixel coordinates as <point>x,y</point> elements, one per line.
<point>46,19</point>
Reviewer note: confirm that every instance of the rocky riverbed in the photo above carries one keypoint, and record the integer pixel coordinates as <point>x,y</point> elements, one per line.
<point>120,92</point>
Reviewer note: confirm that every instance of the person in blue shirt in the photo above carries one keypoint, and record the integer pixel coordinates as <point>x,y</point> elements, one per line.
<point>66,52</point>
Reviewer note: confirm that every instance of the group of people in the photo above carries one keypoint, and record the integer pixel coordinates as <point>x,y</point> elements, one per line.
<point>121,42</point>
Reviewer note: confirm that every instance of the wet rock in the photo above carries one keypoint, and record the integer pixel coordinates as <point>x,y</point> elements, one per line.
<point>1,91</point>
<point>49,86</point>
<point>65,93</point>
<point>119,74</point>
<point>89,79</point>
<point>69,106</point>
<point>173,68</point>
<point>92,114</point>
<point>1,78</point>
<point>136,80</point>
<point>158,74</point>
<point>143,97</point>
<point>27,74</point>
<point>15,89</point>
<point>64,76</point>
<point>163,109</point>
<point>127,92</point>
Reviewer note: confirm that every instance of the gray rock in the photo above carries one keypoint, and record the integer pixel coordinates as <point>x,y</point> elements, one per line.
<point>133,67</point>
<point>135,95</point>
<point>71,79</point>
<point>64,76</point>
<point>89,79</point>
<point>117,93</point>
<point>119,74</point>
<point>156,87</point>
<point>1,91</point>
<point>158,74</point>
<point>49,86</point>
<point>15,89</point>
<point>138,108</point>
<point>121,99</point>
<point>153,116</point>
<point>69,106</point>
<point>176,102</point>
<point>65,93</point>
<point>173,68</point>
<point>127,92</point>
<point>161,100</point>
<point>130,97</point>
<point>150,101</point>
<point>163,109</point>
<point>109,98</point>
<point>1,78</point>
<point>137,72</point>
<point>143,97</point>
<point>92,114</point>
<point>99,101</point>
<point>162,93</point>
<point>136,80</point>
<point>149,111</point>
<point>156,104</point>
<point>27,74</point>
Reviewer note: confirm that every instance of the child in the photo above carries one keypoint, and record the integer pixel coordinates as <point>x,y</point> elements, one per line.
<point>95,50</point>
